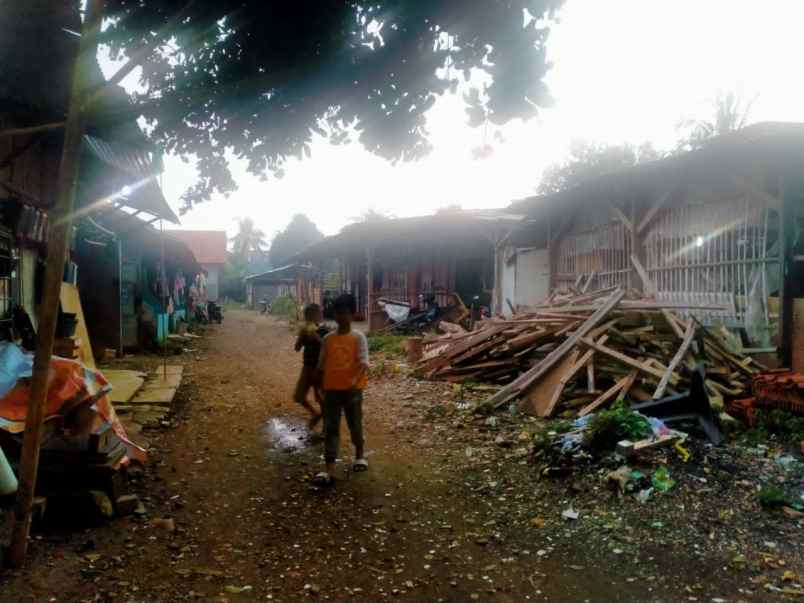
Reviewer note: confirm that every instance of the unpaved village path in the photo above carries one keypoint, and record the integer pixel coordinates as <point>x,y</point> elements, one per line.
<point>234,475</point>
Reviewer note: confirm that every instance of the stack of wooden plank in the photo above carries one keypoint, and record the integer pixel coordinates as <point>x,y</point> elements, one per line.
<point>579,352</point>
<point>67,347</point>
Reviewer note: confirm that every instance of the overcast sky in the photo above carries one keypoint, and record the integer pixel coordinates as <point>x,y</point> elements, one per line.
<point>624,71</point>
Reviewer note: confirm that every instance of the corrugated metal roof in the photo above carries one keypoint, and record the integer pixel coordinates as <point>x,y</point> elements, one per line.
<point>455,226</point>
<point>208,246</point>
<point>758,145</point>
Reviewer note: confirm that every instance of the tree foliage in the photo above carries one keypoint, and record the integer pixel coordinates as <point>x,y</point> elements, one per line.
<point>299,234</point>
<point>587,161</point>
<point>730,113</point>
<point>257,79</point>
<point>372,216</point>
<point>249,239</point>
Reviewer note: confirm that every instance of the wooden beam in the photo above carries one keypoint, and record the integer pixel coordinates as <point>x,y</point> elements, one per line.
<point>651,213</point>
<point>633,363</point>
<point>32,130</point>
<point>791,198</point>
<point>510,306</point>
<point>21,193</point>
<point>647,283</point>
<point>58,239</point>
<point>673,323</point>
<point>528,377</point>
<point>624,384</point>
<point>679,356</point>
<point>575,365</point>
<point>588,282</point>
<point>369,285</point>
<point>19,150</point>
<point>621,216</point>
<point>562,230</point>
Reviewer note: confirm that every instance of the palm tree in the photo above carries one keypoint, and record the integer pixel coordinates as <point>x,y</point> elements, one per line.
<point>731,114</point>
<point>248,240</point>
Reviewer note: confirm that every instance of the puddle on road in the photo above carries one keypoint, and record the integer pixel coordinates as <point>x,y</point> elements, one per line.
<point>286,435</point>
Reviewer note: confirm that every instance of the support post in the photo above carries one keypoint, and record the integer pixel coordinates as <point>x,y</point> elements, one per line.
<point>369,285</point>
<point>791,198</point>
<point>59,235</point>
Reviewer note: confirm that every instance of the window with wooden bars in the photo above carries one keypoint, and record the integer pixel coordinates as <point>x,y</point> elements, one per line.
<point>8,277</point>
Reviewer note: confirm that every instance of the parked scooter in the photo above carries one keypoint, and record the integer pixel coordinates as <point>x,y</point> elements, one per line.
<point>200,315</point>
<point>265,306</point>
<point>214,312</point>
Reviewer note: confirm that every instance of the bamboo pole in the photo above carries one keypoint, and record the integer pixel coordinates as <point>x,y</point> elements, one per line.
<point>56,253</point>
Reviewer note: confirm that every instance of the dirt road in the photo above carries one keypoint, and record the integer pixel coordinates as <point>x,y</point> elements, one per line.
<point>234,475</point>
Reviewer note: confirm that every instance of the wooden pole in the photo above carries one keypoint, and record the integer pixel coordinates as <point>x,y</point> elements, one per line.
<point>791,197</point>
<point>165,295</point>
<point>369,285</point>
<point>60,228</point>
<point>32,130</point>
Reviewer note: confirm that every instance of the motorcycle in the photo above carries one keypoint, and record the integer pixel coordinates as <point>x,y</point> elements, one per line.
<point>214,312</point>
<point>265,306</point>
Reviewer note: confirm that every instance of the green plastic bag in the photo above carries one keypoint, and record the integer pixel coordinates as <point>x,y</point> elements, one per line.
<point>662,481</point>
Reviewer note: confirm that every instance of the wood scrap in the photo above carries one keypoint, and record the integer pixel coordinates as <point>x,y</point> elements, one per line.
<point>579,351</point>
<point>620,387</point>
<point>682,351</point>
<point>542,367</point>
<point>539,399</point>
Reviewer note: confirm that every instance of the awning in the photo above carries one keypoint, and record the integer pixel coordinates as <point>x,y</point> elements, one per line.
<point>147,239</point>
<point>132,182</point>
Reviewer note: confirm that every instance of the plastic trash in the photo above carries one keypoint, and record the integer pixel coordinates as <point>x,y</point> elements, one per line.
<point>569,514</point>
<point>643,495</point>
<point>8,481</point>
<point>14,364</point>
<point>662,481</point>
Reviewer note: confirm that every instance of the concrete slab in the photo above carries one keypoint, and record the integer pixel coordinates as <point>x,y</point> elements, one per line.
<point>172,369</point>
<point>158,381</point>
<point>125,384</point>
<point>157,395</point>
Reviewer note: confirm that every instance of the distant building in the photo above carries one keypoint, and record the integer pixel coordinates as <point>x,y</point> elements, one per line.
<point>209,249</point>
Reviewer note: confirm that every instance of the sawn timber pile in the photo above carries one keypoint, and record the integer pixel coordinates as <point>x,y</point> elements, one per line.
<point>577,353</point>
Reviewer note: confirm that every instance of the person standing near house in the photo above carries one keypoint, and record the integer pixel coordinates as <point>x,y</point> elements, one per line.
<point>343,365</point>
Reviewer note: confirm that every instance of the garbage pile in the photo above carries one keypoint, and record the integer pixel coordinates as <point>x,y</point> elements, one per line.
<point>578,353</point>
<point>84,445</point>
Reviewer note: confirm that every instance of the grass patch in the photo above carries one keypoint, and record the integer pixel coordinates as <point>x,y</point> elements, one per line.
<point>619,422</point>
<point>285,305</point>
<point>387,344</point>
<point>772,497</point>
<point>784,425</point>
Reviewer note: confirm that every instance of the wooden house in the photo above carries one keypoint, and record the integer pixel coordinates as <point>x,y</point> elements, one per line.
<point>118,199</point>
<point>717,230</point>
<point>411,260</point>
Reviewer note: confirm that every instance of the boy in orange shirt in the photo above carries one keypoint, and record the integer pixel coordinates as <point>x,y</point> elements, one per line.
<point>344,366</point>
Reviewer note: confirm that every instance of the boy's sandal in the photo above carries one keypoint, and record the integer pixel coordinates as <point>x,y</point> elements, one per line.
<point>360,465</point>
<point>323,479</point>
